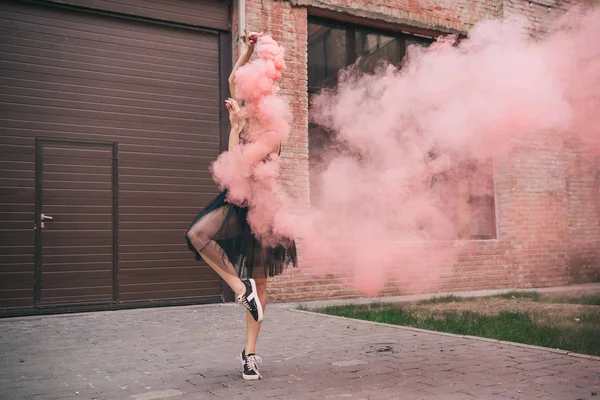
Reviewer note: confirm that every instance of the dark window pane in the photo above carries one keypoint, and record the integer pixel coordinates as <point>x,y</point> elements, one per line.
<point>418,41</point>
<point>327,54</point>
<point>373,48</point>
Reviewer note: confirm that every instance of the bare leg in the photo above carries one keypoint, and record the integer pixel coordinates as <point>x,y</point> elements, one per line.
<point>201,237</point>
<point>253,327</point>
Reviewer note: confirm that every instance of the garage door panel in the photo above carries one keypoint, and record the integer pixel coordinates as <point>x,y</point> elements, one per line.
<point>205,151</point>
<point>201,165</point>
<point>177,293</point>
<point>147,275</point>
<point>189,265</point>
<point>75,296</point>
<point>7,215</point>
<point>99,33</point>
<point>17,195</point>
<point>174,288</point>
<point>178,179</point>
<point>76,240</point>
<point>109,68</point>
<point>81,176</point>
<point>101,105</point>
<point>75,251</point>
<point>130,260</point>
<point>100,30</point>
<point>101,255</point>
<point>195,202</point>
<point>10,267</point>
<point>22,257</point>
<point>164,187</point>
<point>103,75</point>
<point>29,130</point>
<point>67,121</point>
<point>7,140</point>
<point>208,13</point>
<point>132,252</point>
<point>12,281</point>
<point>105,96</point>
<point>41,111</point>
<point>17,166</point>
<point>17,179</point>
<point>65,152</point>
<point>16,298</point>
<point>125,90</point>
<point>36,40</point>
<point>98,57</point>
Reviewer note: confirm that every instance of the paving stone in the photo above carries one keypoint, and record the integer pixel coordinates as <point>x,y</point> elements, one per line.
<point>184,353</point>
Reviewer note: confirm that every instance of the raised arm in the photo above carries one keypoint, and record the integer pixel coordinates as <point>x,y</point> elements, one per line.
<point>234,119</point>
<point>248,42</point>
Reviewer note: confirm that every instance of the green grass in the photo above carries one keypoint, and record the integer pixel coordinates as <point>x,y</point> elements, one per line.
<point>588,299</point>
<point>583,337</point>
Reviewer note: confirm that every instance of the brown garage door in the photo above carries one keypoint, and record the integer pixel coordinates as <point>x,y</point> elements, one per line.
<point>126,114</point>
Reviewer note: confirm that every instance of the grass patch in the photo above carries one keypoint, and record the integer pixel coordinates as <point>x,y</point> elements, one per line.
<point>584,299</point>
<point>588,300</point>
<point>556,332</point>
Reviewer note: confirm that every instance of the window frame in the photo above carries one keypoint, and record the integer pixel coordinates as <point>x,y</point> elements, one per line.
<point>351,29</point>
<point>401,35</point>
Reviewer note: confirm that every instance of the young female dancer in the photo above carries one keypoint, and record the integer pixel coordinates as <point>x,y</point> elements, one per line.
<point>221,236</point>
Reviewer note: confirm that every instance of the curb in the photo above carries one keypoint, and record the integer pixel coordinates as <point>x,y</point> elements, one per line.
<point>425,296</point>
<point>481,339</point>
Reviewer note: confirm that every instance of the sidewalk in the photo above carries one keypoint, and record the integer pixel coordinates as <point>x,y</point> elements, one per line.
<point>184,353</point>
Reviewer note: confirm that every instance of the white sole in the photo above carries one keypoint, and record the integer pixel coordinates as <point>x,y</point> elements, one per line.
<point>250,377</point>
<point>258,304</point>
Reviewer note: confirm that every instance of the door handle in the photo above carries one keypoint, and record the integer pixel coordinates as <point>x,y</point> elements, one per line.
<point>44,217</point>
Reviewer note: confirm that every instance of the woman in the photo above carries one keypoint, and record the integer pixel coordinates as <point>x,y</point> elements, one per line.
<point>221,236</point>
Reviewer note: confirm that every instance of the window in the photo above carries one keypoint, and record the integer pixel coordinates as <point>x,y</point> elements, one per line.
<point>332,47</point>
<point>327,54</point>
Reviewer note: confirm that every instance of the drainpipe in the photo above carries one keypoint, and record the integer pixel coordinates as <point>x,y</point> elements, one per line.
<point>241,23</point>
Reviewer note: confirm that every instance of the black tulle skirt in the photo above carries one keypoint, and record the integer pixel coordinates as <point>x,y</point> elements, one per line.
<point>241,247</point>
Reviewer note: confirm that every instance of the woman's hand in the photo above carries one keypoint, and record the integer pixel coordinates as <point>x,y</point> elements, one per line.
<point>234,112</point>
<point>251,39</point>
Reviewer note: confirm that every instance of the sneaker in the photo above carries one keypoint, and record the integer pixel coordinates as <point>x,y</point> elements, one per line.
<point>250,372</point>
<point>251,301</point>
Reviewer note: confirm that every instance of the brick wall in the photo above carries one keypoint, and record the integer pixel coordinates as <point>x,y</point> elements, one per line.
<point>443,15</point>
<point>547,193</point>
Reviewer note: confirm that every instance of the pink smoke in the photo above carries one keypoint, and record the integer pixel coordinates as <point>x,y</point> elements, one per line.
<point>250,171</point>
<point>385,203</point>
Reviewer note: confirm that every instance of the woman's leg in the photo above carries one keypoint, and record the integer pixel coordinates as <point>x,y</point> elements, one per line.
<point>253,327</point>
<point>201,234</point>
<point>249,358</point>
